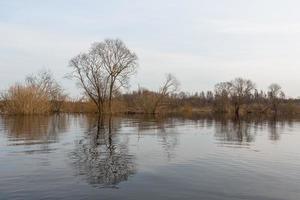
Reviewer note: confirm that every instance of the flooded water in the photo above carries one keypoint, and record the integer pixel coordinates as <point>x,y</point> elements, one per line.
<point>83,157</point>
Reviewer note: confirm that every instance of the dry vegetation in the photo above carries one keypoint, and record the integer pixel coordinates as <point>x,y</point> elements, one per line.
<point>25,99</point>
<point>104,71</point>
<point>39,94</point>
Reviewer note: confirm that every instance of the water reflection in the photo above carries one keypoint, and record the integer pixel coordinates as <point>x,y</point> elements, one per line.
<point>273,127</point>
<point>243,131</point>
<point>229,132</point>
<point>100,156</point>
<point>28,130</point>
<point>31,130</point>
<point>234,131</point>
<point>43,156</point>
<point>163,128</point>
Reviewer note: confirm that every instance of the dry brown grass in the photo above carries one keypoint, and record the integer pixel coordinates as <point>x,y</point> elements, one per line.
<point>25,100</point>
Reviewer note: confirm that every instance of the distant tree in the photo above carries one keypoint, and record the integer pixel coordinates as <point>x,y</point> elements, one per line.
<point>256,95</point>
<point>238,91</point>
<point>202,95</point>
<point>241,91</point>
<point>223,88</point>
<point>222,96</point>
<point>182,95</point>
<point>275,94</point>
<point>150,101</point>
<point>209,97</point>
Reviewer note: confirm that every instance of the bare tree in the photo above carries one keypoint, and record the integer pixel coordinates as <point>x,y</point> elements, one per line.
<point>223,88</point>
<point>275,93</point>
<point>170,86</point>
<point>119,63</point>
<point>88,70</point>
<point>222,95</point>
<point>45,83</point>
<point>241,91</point>
<point>104,70</point>
<point>150,101</point>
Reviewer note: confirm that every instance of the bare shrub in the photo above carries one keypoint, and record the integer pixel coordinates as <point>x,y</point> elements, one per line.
<point>22,99</point>
<point>40,94</point>
<point>149,101</point>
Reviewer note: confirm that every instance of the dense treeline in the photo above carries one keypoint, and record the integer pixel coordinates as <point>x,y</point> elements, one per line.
<point>237,97</point>
<point>104,71</point>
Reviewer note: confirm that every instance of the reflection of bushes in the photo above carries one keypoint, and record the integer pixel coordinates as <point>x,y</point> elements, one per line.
<point>35,127</point>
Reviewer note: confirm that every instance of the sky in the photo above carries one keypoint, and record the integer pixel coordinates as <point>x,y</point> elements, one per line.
<point>201,42</point>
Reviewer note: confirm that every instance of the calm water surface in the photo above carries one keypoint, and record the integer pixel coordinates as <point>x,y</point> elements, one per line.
<point>82,157</point>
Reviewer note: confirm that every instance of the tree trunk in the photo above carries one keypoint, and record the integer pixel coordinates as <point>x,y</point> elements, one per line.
<point>110,147</point>
<point>275,109</point>
<point>237,110</point>
<point>100,107</point>
<point>110,96</point>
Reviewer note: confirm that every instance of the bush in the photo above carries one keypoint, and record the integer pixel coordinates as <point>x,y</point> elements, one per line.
<point>25,100</point>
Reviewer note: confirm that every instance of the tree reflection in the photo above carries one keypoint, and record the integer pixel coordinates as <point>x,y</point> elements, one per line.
<point>243,131</point>
<point>165,130</point>
<point>234,131</point>
<point>101,157</point>
<point>276,127</point>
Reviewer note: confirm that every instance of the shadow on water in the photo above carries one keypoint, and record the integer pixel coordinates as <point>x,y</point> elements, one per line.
<point>100,157</point>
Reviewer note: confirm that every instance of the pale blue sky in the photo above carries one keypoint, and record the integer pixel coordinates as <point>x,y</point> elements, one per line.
<point>200,42</point>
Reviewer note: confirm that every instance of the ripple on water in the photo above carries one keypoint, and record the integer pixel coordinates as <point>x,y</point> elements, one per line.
<point>76,156</point>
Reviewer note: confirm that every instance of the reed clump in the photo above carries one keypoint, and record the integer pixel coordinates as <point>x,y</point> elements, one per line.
<point>23,99</point>
<point>39,94</point>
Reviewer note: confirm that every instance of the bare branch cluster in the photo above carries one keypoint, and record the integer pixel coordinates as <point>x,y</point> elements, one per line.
<point>237,91</point>
<point>104,70</point>
<point>149,101</point>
